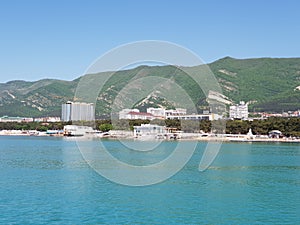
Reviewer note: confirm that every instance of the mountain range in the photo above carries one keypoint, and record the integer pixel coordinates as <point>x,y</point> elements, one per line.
<point>267,84</point>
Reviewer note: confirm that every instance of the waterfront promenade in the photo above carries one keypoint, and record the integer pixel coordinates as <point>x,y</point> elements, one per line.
<point>183,136</point>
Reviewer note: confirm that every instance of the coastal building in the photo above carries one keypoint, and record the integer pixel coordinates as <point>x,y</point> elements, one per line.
<point>47,119</point>
<point>161,113</point>
<point>175,112</point>
<point>135,114</point>
<point>74,130</point>
<point>148,130</point>
<point>275,134</point>
<point>15,119</point>
<point>157,112</point>
<point>140,116</point>
<point>164,113</point>
<point>239,111</point>
<point>210,116</point>
<point>78,111</point>
<point>124,113</point>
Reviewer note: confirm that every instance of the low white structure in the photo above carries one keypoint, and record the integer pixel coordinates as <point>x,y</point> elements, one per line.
<point>239,111</point>
<point>152,113</point>
<point>275,134</point>
<point>74,130</point>
<point>211,116</point>
<point>47,119</point>
<point>148,130</point>
<point>175,112</point>
<point>15,119</point>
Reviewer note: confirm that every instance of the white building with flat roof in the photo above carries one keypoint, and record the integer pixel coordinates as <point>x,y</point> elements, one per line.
<point>210,117</point>
<point>148,130</point>
<point>15,119</point>
<point>239,111</point>
<point>78,111</point>
<point>157,112</point>
<point>175,112</point>
<point>47,119</point>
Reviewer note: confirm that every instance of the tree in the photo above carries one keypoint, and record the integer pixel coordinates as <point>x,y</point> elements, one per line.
<point>105,127</point>
<point>42,128</point>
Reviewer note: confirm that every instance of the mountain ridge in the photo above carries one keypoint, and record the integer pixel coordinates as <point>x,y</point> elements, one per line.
<point>268,84</point>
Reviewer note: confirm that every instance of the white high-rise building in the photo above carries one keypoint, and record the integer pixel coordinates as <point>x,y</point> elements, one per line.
<point>78,111</point>
<point>239,111</point>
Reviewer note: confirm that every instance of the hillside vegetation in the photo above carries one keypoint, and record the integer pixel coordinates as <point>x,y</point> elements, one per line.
<point>268,84</point>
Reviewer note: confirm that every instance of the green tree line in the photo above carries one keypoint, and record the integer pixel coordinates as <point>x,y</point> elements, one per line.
<point>40,126</point>
<point>288,126</point>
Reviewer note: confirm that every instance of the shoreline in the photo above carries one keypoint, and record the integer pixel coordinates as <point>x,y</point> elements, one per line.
<point>266,140</point>
<point>194,137</point>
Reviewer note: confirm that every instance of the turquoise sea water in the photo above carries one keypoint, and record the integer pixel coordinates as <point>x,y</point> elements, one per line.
<point>46,181</point>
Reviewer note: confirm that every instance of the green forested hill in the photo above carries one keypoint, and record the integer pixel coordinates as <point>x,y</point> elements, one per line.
<point>268,84</point>
<point>33,99</point>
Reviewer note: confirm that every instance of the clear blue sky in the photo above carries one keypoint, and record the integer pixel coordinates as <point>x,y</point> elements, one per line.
<point>60,39</point>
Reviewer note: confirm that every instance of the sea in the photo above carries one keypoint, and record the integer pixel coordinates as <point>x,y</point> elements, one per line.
<point>48,180</point>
